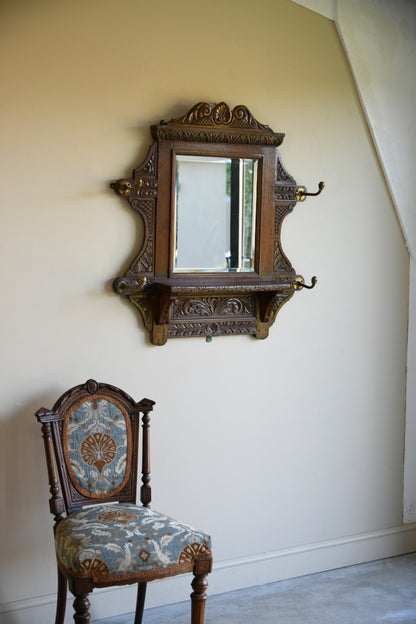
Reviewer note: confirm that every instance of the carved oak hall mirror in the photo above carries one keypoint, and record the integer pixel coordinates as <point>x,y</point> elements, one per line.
<point>212,193</point>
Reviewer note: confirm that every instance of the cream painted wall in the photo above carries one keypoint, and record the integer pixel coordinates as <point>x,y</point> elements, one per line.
<point>289,450</point>
<point>379,38</point>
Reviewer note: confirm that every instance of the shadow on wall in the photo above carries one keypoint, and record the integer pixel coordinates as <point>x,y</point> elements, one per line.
<point>26,523</point>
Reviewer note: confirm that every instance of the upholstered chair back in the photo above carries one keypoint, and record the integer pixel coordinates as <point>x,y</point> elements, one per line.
<point>94,430</point>
<point>97,446</point>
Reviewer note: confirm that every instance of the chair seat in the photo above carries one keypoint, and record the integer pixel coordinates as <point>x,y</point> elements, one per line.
<point>123,542</point>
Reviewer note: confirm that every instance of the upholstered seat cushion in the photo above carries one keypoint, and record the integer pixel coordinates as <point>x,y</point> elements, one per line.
<point>122,542</point>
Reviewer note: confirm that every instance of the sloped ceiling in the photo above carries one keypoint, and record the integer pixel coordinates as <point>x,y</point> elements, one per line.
<point>323,7</point>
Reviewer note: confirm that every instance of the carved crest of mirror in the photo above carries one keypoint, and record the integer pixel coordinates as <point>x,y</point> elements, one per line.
<point>212,193</point>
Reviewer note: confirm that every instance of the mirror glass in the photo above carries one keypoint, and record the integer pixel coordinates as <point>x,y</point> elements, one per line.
<point>215,213</point>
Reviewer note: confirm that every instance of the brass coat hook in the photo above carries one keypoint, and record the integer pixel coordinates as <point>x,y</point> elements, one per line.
<point>301,193</point>
<point>299,283</point>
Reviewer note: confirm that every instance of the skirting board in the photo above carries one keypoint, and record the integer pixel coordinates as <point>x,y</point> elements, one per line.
<point>229,575</point>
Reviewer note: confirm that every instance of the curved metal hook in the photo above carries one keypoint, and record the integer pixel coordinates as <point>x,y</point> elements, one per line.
<point>301,193</point>
<point>299,283</point>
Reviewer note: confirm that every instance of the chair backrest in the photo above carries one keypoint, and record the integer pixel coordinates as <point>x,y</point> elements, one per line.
<point>91,438</point>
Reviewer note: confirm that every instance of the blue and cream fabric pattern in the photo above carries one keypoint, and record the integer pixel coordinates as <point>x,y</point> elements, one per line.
<point>96,441</point>
<point>123,541</point>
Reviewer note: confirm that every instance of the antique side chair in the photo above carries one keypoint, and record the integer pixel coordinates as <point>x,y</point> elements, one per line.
<point>102,537</point>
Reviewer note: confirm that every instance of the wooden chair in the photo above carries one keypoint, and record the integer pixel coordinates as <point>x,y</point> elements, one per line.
<point>102,538</point>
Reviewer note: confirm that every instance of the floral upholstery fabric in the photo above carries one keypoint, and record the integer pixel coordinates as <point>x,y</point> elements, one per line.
<point>95,438</point>
<point>122,541</point>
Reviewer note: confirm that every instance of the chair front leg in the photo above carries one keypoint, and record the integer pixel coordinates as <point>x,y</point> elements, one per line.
<point>198,598</point>
<point>80,588</point>
<point>202,567</point>
<point>61,600</point>
<point>81,608</point>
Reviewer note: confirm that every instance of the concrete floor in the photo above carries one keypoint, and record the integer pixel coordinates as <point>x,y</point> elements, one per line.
<point>381,592</point>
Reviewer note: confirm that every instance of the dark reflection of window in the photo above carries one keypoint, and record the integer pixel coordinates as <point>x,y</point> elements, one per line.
<point>240,189</point>
<point>234,213</point>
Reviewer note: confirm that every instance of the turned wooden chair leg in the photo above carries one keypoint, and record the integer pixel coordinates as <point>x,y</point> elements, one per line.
<point>141,596</point>
<point>80,588</point>
<point>81,608</point>
<point>61,601</point>
<point>198,598</point>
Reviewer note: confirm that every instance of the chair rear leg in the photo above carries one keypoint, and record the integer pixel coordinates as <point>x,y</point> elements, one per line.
<point>61,601</point>
<point>141,596</point>
<point>198,598</point>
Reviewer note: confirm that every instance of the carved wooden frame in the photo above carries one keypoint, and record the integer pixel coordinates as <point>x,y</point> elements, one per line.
<point>208,304</point>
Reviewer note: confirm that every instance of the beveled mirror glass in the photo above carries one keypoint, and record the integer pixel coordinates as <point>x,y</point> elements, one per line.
<point>214,213</point>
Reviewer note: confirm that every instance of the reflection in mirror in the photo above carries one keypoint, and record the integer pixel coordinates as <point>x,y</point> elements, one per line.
<point>215,213</point>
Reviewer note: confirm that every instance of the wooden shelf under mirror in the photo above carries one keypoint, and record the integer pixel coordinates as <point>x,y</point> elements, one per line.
<point>213,194</point>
